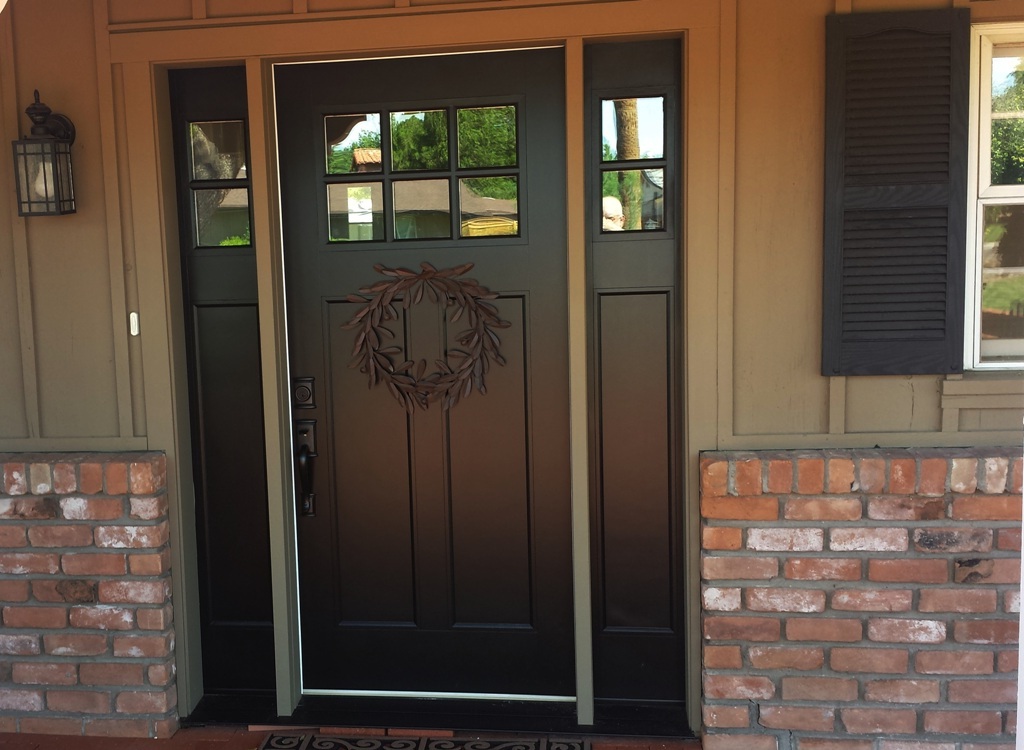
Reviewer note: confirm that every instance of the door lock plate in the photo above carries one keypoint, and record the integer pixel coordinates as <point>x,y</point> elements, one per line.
<point>305,435</point>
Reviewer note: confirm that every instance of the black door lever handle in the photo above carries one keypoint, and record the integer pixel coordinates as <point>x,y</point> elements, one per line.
<point>307,498</point>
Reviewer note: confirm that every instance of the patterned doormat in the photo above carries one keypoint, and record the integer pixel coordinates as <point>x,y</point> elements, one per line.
<point>310,741</point>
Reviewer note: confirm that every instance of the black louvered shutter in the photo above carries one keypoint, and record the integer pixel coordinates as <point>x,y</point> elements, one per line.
<point>895,192</point>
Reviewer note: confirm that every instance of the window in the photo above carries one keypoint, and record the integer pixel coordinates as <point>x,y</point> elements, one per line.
<point>995,279</point>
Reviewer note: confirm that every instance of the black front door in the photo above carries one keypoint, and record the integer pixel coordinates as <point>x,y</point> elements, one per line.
<point>424,245</point>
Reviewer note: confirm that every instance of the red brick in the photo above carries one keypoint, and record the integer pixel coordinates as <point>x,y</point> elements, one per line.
<point>65,590</point>
<point>78,701</point>
<point>1009,539</point>
<point>881,660</point>
<point>111,674</point>
<point>873,600</point>
<point>152,564</point>
<point>908,571</point>
<point>155,618</point>
<point>785,600</point>
<point>132,537</point>
<point>143,646</point>
<point>823,509</point>
<point>721,538</point>
<point>983,691</point>
<point>1007,661</point>
<point>747,477</point>
<point>75,644</point>
<point>837,689</point>
<point>808,743</point>
<point>727,717</point>
<point>64,480</point>
<point>954,662</point>
<point>94,564</point>
<point>146,701</point>
<point>90,478</point>
<point>996,470</point>
<point>933,477</point>
<point>1016,478</point>
<point>738,568</point>
<point>162,674</point>
<point>871,475</point>
<point>717,599</point>
<point>12,536</point>
<point>811,719</point>
<point>15,479</point>
<point>714,478</point>
<point>985,631</point>
<point>868,540</point>
<point>888,508</point>
<point>963,722</point>
<point>841,476</point>
<point>117,728</point>
<point>29,508</point>
<point>986,508</point>
<point>35,617</point>
<point>757,508</point>
<point>981,570</point>
<point>60,536</point>
<point>810,476</point>
<point>13,591</point>
<point>134,592</point>
<point>164,728</point>
<point>1011,601</point>
<point>760,629</point>
<point>103,618</point>
<point>148,508</point>
<point>957,600</point>
<point>115,476</point>
<point>733,741</point>
<point>906,630</point>
<point>20,563</point>
<point>783,657</point>
<point>732,687</point>
<point>91,508</point>
<point>9,724</point>
<point>12,699</point>
<point>19,645</point>
<point>780,477</point>
<point>722,657</point>
<point>879,720</point>
<point>39,725</point>
<point>902,691</point>
<point>823,569</point>
<point>902,476</point>
<point>44,673</point>
<point>785,540</point>
<point>824,629</point>
<point>963,476</point>
<point>952,540</point>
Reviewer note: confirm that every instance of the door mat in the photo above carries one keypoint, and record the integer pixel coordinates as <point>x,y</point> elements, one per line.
<point>310,741</point>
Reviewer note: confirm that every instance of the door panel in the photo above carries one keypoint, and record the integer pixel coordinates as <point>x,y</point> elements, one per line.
<point>438,558</point>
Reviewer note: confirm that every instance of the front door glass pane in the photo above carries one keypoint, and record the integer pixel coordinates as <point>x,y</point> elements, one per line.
<point>218,150</point>
<point>419,140</point>
<point>422,209</point>
<point>1002,279</point>
<point>633,200</point>
<point>353,143</point>
<point>633,128</point>
<point>490,206</point>
<point>487,137</point>
<point>222,217</point>
<point>355,211</point>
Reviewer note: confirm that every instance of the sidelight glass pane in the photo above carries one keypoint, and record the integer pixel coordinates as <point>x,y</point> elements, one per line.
<point>222,217</point>
<point>489,206</point>
<point>353,143</point>
<point>487,137</point>
<point>1002,280</point>
<point>632,200</point>
<point>1007,118</point>
<point>633,128</point>
<point>355,212</point>
<point>419,140</point>
<point>422,209</point>
<point>218,150</point>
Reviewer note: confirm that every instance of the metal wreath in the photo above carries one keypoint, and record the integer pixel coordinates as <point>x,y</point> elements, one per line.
<point>409,382</point>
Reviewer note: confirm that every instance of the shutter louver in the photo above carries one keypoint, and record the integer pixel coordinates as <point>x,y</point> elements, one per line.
<point>895,201</point>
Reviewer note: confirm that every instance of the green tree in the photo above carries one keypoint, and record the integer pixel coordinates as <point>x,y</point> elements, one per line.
<point>340,160</point>
<point>420,141</point>
<point>1008,133</point>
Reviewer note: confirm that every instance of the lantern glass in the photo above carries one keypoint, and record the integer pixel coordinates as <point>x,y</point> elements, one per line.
<point>44,181</point>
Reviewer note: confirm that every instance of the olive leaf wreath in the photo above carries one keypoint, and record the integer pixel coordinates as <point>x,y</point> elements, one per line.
<point>408,381</point>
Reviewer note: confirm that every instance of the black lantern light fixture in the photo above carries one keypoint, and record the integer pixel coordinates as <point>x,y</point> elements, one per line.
<point>42,164</point>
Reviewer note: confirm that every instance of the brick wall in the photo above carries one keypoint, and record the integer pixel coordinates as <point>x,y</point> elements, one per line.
<point>860,600</point>
<point>86,636</point>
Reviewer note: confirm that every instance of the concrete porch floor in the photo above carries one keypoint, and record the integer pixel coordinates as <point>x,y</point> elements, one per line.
<point>232,737</point>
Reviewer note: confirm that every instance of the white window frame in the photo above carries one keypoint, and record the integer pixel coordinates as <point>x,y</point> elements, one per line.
<point>984,39</point>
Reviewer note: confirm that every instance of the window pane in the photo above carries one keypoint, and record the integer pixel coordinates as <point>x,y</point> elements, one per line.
<point>487,137</point>
<point>422,209</point>
<point>353,143</point>
<point>633,128</point>
<point>355,212</point>
<point>490,206</point>
<point>218,150</point>
<point>632,200</point>
<point>222,217</point>
<point>419,140</point>
<point>1002,279</point>
<point>1007,120</point>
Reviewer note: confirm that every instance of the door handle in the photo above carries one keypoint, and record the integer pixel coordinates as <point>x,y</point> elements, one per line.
<point>307,498</point>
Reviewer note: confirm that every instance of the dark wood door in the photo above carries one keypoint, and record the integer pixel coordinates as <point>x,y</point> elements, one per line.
<point>434,545</point>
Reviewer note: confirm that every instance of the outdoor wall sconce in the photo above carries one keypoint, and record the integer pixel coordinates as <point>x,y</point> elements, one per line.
<point>42,164</point>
